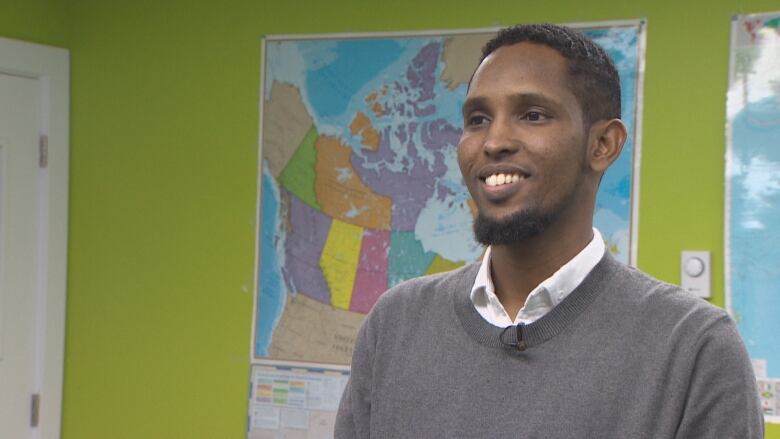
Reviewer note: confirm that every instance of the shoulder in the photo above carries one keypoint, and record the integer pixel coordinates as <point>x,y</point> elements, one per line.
<point>406,305</point>
<point>421,297</point>
<point>666,323</point>
<point>420,292</point>
<point>663,305</point>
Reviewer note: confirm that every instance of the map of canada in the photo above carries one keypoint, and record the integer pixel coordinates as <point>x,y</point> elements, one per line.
<point>360,186</point>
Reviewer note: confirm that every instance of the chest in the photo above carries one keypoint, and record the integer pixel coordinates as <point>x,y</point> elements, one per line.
<point>455,387</point>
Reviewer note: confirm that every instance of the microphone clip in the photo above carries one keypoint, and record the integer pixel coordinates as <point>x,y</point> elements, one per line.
<point>517,341</point>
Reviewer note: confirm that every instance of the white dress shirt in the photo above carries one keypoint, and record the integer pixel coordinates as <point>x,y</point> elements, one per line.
<point>545,296</point>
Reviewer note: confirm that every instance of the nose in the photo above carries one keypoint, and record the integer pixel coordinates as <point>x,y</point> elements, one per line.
<point>500,138</point>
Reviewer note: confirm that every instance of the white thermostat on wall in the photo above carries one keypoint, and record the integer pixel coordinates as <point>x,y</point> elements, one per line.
<point>695,273</point>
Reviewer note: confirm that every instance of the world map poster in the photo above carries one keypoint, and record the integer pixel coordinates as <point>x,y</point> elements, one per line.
<point>753,197</point>
<point>360,185</point>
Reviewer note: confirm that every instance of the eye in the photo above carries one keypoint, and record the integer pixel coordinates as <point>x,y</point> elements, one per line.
<point>534,116</point>
<point>476,120</point>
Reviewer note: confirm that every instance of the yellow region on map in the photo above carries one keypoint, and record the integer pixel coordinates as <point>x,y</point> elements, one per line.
<point>440,264</point>
<point>338,261</point>
<point>341,193</point>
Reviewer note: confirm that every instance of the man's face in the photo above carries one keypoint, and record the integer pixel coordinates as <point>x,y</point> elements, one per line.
<point>522,152</point>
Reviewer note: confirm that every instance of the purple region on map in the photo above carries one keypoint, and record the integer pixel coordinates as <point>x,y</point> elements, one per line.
<point>414,182</point>
<point>436,135</point>
<point>422,77</point>
<point>371,278</point>
<point>410,188</point>
<point>303,248</point>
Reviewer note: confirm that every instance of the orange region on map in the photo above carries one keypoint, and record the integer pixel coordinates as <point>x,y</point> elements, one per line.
<point>285,123</point>
<point>377,109</point>
<point>371,100</point>
<point>440,264</point>
<point>340,192</point>
<point>361,125</point>
<point>339,261</point>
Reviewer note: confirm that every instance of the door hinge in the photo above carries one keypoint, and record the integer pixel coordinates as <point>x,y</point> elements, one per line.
<point>43,151</point>
<point>35,409</point>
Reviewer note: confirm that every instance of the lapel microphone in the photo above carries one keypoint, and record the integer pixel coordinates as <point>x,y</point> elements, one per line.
<point>510,340</point>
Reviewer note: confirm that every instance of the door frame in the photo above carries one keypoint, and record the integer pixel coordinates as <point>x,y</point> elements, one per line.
<point>51,67</point>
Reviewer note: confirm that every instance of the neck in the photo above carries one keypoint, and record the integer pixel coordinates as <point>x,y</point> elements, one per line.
<point>518,268</point>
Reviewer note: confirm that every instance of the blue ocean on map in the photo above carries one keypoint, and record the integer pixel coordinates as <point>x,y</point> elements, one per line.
<point>272,295</point>
<point>613,208</point>
<point>332,86</point>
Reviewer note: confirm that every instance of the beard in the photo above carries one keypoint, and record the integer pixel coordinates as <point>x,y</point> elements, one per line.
<point>514,228</point>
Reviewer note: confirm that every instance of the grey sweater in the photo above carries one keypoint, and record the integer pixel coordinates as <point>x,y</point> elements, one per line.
<point>623,356</point>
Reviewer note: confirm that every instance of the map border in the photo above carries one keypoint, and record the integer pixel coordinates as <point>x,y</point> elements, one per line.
<point>639,23</point>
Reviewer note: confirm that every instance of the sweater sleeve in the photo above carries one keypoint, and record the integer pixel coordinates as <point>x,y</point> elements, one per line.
<point>722,398</point>
<point>353,418</point>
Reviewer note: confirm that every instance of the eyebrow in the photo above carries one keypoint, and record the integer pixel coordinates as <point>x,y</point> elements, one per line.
<point>478,102</point>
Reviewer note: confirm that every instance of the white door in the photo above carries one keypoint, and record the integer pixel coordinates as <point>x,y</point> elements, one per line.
<point>19,128</point>
<point>33,201</point>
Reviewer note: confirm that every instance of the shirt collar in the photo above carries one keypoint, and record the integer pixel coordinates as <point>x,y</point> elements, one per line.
<point>545,296</point>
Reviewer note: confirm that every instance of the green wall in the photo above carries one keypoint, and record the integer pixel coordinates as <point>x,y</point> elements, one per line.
<point>163,177</point>
<point>37,21</point>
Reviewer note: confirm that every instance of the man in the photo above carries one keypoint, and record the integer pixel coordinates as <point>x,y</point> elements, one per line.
<point>549,337</point>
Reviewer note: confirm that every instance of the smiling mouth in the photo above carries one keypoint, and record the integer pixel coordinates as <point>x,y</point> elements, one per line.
<point>500,179</point>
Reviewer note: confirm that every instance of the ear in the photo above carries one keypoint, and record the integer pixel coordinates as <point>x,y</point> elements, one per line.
<point>606,141</point>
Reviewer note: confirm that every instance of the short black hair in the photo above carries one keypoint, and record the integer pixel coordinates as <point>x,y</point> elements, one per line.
<point>593,77</point>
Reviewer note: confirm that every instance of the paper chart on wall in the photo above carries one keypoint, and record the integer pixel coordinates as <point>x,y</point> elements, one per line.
<point>294,401</point>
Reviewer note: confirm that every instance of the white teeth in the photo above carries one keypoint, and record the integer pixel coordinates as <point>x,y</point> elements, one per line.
<point>499,179</point>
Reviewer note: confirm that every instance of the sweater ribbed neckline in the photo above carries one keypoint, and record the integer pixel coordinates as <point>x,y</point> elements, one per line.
<point>541,330</point>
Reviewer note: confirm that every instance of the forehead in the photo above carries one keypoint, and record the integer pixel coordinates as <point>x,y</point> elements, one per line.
<point>522,67</point>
